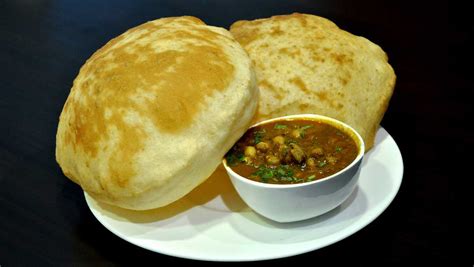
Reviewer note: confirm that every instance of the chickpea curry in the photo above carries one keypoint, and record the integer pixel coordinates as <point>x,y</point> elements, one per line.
<point>291,151</point>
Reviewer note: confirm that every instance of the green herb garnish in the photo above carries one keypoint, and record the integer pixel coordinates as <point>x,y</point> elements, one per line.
<point>286,179</point>
<point>233,158</point>
<point>311,177</point>
<point>258,136</point>
<point>280,126</point>
<point>322,163</point>
<point>290,141</point>
<point>282,173</point>
<point>338,149</point>
<point>298,180</point>
<point>264,173</point>
<point>230,158</point>
<point>303,129</point>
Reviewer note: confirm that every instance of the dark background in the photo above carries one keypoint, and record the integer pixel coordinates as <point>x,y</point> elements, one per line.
<point>44,219</point>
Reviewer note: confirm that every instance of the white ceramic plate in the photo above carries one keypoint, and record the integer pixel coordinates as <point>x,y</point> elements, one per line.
<point>212,222</point>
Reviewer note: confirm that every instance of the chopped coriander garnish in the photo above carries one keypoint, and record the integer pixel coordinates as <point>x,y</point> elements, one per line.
<point>298,180</point>
<point>322,163</point>
<point>258,136</point>
<point>233,158</point>
<point>304,128</point>
<point>311,177</point>
<point>280,126</point>
<point>264,173</point>
<point>230,158</point>
<point>290,141</point>
<point>338,149</point>
<point>267,175</point>
<point>282,173</point>
<point>286,179</point>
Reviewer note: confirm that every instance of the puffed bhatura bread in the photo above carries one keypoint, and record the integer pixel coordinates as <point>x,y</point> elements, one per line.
<point>152,113</point>
<point>306,64</point>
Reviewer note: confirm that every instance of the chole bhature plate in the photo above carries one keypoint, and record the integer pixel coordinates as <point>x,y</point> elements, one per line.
<point>213,223</point>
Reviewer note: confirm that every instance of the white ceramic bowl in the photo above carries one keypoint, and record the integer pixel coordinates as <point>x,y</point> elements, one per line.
<point>295,202</point>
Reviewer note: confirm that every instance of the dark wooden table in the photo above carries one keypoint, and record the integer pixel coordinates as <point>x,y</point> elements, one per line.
<point>44,219</point>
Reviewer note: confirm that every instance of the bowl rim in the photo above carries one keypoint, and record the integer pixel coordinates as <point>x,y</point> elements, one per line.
<point>312,117</point>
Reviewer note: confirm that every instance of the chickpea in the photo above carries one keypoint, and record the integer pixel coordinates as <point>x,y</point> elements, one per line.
<point>311,163</point>
<point>247,160</point>
<point>331,160</point>
<point>296,133</point>
<point>273,160</point>
<point>263,146</point>
<point>280,140</point>
<point>317,152</point>
<point>250,151</point>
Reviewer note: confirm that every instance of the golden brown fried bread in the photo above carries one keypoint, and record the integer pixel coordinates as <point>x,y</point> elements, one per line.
<point>152,113</point>
<point>306,64</point>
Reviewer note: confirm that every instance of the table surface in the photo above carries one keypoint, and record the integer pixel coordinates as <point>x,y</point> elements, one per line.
<point>44,219</point>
